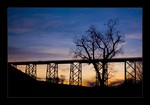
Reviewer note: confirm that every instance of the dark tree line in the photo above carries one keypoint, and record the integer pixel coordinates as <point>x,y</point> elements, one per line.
<point>60,79</point>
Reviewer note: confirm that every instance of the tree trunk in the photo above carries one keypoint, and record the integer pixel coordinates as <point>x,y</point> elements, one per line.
<point>98,73</point>
<point>103,73</point>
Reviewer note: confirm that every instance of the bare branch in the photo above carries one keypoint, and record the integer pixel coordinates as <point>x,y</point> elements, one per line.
<point>95,44</point>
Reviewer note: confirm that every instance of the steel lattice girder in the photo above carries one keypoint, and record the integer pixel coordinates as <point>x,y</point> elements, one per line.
<point>52,72</point>
<point>75,74</point>
<point>14,65</point>
<point>31,70</point>
<point>130,71</point>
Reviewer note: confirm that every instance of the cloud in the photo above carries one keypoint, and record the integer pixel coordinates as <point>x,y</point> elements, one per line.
<point>116,83</point>
<point>134,36</point>
<point>34,24</point>
<point>130,54</point>
<point>51,23</point>
<point>18,30</point>
<point>21,25</point>
<point>33,54</point>
<point>46,16</point>
<point>90,84</point>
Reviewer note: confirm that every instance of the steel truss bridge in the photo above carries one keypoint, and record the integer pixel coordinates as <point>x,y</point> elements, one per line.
<point>130,68</point>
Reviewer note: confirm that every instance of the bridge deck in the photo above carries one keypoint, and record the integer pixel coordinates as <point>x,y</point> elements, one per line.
<point>79,61</point>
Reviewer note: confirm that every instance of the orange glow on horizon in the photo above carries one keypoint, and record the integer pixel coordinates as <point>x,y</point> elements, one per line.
<point>88,73</point>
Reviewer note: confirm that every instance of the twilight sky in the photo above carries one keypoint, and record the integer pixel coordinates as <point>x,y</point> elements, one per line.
<point>47,33</point>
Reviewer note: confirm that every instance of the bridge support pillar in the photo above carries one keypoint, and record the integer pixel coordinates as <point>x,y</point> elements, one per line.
<point>75,74</point>
<point>52,73</point>
<point>31,70</point>
<point>130,71</point>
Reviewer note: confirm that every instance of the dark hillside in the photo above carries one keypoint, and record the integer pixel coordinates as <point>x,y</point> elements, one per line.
<point>22,85</point>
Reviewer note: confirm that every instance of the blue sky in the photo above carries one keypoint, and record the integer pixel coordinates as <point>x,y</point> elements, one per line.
<point>47,33</point>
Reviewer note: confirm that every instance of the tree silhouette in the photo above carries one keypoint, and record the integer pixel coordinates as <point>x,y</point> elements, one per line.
<point>62,78</point>
<point>95,45</point>
<point>53,80</point>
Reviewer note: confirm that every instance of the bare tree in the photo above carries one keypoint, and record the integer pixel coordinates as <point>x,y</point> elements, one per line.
<point>111,71</point>
<point>95,45</point>
<point>53,80</point>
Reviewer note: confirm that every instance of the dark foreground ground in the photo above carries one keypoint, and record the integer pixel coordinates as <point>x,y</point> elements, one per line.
<point>21,85</point>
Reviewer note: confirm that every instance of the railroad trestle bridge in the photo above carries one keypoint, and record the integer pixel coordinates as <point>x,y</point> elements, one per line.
<point>75,76</point>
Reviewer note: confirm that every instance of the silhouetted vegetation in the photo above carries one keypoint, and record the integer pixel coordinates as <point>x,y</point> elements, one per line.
<point>57,80</point>
<point>95,45</point>
<point>53,80</point>
<point>22,85</point>
<point>62,78</point>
